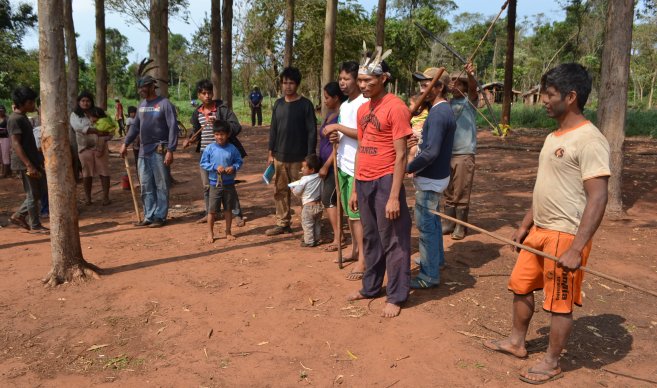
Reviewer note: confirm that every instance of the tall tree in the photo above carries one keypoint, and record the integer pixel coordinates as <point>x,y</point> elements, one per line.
<point>612,103</point>
<point>381,23</point>
<point>100,58</point>
<point>73,67</point>
<point>139,11</point>
<point>67,261</point>
<point>227,53</point>
<point>508,65</point>
<point>328,63</point>
<point>289,33</point>
<point>159,43</point>
<point>215,45</point>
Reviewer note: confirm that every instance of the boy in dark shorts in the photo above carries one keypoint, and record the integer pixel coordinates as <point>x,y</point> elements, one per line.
<point>222,160</point>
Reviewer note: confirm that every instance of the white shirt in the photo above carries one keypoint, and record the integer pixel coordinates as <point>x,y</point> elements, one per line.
<point>348,146</point>
<point>309,187</point>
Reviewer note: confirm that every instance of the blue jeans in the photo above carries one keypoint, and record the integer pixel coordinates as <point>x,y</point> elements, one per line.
<point>154,180</point>
<point>432,253</point>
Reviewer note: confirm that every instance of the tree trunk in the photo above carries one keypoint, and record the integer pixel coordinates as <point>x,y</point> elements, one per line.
<point>159,44</point>
<point>508,65</point>
<point>100,58</point>
<point>328,63</point>
<point>381,23</point>
<point>73,68</point>
<point>652,89</point>
<point>289,33</point>
<point>612,103</point>
<point>494,64</point>
<point>227,51</point>
<point>67,261</point>
<point>215,46</point>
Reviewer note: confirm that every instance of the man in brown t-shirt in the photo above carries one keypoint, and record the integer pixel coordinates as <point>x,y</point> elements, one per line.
<point>569,201</point>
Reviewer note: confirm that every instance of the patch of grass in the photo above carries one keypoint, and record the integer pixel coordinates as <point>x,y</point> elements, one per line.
<point>637,122</point>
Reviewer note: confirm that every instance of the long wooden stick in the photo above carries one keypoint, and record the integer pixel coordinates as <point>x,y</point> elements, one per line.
<point>338,204</point>
<point>481,41</point>
<point>434,81</point>
<point>132,188</point>
<point>541,253</point>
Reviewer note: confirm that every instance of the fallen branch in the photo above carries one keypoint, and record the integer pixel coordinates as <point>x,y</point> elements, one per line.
<point>629,376</point>
<point>468,334</point>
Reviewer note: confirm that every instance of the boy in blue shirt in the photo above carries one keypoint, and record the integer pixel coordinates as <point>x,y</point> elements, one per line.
<point>222,160</point>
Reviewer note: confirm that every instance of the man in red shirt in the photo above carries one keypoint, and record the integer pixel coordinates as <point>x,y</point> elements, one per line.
<point>379,195</point>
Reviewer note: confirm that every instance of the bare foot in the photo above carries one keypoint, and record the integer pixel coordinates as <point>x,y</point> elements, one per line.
<point>390,310</point>
<point>505,346</point>
<point>230,237</point>
<point>210,239</point>
<point>356,295</point>
<point>541,373</point>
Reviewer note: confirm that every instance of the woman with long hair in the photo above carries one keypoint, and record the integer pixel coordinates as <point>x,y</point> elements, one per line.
<point>333,98</point>
<point>92,145</point>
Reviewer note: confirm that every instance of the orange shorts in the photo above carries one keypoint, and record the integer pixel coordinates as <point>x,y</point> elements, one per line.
<point>562,289</point>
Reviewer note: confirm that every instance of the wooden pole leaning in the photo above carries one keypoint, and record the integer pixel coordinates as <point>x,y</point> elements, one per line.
<point>132,188</point>
<point>338,204</point>
<point>543,254</point>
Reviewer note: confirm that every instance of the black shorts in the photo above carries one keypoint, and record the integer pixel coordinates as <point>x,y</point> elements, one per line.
<point>329,196</point>
<point>221,196</point>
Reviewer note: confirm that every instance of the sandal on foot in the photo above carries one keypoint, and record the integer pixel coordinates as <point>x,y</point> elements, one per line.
<point>106,202</point>
<point>334,247</point>
<point>240,221</point>
<point>494,345</point>
<point>19,221</point>
<point>40,230</point>
<point>550,376</point>
<point>355,275</point>
<point>420,284</point>
<point>304,245</point>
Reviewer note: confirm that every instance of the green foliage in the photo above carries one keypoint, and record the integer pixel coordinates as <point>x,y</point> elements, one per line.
<point>637,123</point>
<point>17,66</point>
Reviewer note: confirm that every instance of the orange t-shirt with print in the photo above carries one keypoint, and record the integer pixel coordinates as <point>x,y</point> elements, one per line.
<point>380,123</point>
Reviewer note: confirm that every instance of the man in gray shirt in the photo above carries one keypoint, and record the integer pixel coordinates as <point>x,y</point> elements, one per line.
<point>157,127</point>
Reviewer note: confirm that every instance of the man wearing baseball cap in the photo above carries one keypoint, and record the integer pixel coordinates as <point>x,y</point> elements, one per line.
<point>463,87</point>
<point>156,125</point>
<point>430,170</point>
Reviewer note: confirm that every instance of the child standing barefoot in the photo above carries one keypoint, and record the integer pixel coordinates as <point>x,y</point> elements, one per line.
<point>309,188</point>
<point>222,160</point>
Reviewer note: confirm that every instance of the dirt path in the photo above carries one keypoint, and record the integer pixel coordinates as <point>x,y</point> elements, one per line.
<point>261,311</point>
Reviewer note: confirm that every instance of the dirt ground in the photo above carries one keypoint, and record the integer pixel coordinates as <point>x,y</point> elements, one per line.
<point>262,311</point>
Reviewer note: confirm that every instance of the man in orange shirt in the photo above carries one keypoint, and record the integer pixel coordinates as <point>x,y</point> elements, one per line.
<point>379,195</point>
<point>568,203</point>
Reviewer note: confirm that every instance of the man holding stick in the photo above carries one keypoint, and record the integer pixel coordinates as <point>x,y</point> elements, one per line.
<point>568,204</point>
<point>156,125</point>
<point>345,133</point>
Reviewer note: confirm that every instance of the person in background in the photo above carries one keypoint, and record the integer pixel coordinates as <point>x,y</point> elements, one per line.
<point>118,117</point>
<point>255,103</point>
<point>5,144</point>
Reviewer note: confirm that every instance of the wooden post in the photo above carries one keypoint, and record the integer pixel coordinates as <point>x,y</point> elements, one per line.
<point>508,65</point>
<point>215,46</point>
<point>328,67</point>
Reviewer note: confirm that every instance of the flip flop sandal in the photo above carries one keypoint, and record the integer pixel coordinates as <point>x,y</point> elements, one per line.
<point>19,221</point>
<point>499,349</point>
<point>550,374</point>
<point>355,275</point>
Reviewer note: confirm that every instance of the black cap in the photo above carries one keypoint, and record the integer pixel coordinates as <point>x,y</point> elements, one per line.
<point>146,80</point>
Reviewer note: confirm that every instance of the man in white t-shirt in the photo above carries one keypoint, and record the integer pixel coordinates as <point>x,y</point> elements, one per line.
<point>568,203</point>
<point>346,132</point>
